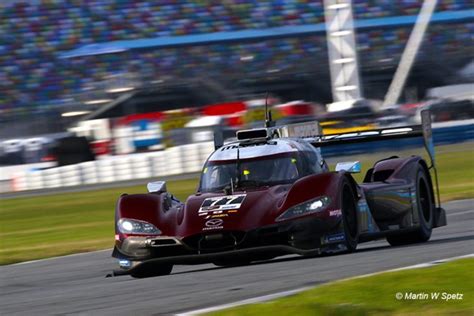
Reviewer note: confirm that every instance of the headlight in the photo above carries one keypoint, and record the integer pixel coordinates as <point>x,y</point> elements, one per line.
<point>133,226</point>
<point>313,206</point>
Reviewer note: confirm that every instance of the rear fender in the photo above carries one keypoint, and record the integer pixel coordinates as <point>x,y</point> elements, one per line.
<point>396,169</point>
<point>391,192</point>
<point>404,169</point>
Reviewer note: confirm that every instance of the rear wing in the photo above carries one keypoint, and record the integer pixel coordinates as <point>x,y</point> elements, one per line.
<point>311,131</point>
<point>400,132</point>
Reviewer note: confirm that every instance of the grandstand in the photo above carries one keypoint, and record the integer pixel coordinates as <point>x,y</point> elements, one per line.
<point>35,79</point>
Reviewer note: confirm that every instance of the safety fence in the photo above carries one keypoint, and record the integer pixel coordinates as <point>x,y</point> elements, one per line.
<point>190,159</point>
<point>174,161</point>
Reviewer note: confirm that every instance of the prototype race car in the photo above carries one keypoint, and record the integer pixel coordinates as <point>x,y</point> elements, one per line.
<point>271,193</point>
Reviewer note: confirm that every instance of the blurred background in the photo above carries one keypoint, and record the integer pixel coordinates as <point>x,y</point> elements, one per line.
<point>103,91</point>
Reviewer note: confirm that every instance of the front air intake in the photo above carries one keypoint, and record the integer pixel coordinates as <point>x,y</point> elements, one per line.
<point>214,242</point>
<point>164,241</point>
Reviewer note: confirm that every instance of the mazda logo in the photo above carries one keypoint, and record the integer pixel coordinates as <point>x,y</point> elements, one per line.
<point>214,222</point>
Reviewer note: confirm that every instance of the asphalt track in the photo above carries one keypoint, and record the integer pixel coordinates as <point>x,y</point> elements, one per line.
<point>76,284</point>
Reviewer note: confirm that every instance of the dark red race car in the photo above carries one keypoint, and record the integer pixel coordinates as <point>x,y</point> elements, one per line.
<point>271,193</point>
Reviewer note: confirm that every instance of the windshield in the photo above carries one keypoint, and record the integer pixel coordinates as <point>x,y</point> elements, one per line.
<point>262,171</point>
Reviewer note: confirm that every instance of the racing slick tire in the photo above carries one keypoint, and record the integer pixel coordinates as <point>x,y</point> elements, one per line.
<point>349,216</point>
<point>424,199</point>
<point>153,271</point>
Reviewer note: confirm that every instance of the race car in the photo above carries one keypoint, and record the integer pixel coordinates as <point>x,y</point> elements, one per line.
<point>270,193</point>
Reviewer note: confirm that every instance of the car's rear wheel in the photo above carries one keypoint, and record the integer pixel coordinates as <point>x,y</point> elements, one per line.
<point>349,215</point>
<point>425,213</point>
<point>152,271</point>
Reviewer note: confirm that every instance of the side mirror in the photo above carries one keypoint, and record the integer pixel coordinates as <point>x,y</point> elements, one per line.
<point>349,166</point>
<point>157,186</point>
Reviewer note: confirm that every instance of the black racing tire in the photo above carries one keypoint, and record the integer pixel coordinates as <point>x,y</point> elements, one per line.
<point>349,216</point>
<point>424,199</point>
<point>152,271</point>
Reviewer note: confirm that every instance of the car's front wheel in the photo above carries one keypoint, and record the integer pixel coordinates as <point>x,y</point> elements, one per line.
<point>349,215</point>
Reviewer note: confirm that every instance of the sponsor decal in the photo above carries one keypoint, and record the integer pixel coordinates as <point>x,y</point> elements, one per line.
<point>363,207</point>
<point>414,202</point>
<point>228,204</point>
<point>365,215</point>
<point>335,238</point>
<point>215,223</point>
<point>217,216</point>
<point>335,213</point>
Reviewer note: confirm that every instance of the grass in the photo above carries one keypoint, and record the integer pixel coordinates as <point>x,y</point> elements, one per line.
<point>53,225</point>
<point>375,295</point>
<point>41,227</point>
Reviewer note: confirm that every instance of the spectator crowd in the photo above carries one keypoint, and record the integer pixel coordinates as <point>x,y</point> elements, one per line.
<point>35,32</point>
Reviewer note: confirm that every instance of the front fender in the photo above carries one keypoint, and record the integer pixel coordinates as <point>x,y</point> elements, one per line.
<point>313,186</point>
<point>149,208</point>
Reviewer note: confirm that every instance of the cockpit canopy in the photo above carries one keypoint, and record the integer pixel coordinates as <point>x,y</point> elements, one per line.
<point>256,165</point>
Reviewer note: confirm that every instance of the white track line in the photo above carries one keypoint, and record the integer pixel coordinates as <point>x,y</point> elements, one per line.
<point>254,300</point>
<point>58,257</point>
<point>415,266</point>
<point>269,297</point>
<point>460,213</point>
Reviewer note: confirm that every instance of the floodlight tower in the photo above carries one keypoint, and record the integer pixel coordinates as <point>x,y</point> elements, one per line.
<point>343,63</point>
<point>409,53</point>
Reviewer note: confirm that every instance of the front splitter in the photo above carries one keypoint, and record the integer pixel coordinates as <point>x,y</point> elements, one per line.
<point>255,252</point>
